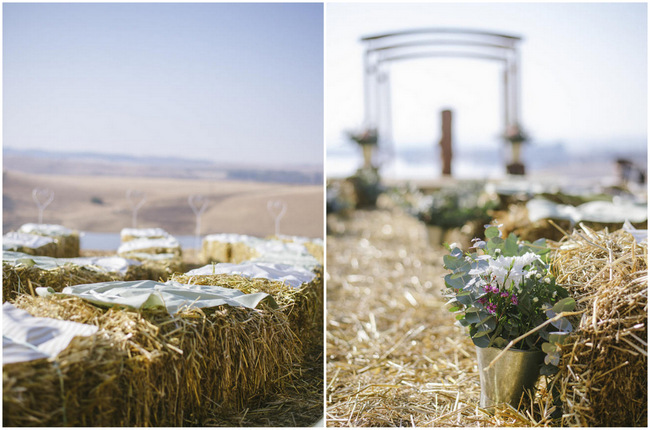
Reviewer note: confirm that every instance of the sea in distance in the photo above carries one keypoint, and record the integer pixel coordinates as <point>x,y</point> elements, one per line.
<point>584,161</point>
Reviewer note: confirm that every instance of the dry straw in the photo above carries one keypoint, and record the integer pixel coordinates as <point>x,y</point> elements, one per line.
<point>395,357</point>
<point>151,369</point>
<point>226,252</point>
<point>303,306</point>
<point>603,377</point>
<point>50,249</point>
<point>24,279</point>
<point>68,245</point>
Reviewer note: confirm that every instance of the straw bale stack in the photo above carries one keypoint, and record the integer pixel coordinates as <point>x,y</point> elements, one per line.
<point>30,244</point>
<point>147,368</point>
<point>534,219</point>
<point>228,248</point>
<point>24,277</point>
<point>314,246</point>
<point>165,245</point>
<point>237,248</point>
<point>303,306</point>
<point>603,371</point>
<point>67,240</point>
<point>154,266</point>
<point>128,234</point>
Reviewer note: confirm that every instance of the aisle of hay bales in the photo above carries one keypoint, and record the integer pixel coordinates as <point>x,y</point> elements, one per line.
<point>214,366</point>
<point>394,356</point>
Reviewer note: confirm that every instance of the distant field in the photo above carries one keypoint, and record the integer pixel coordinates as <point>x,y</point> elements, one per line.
<point>99,204</point>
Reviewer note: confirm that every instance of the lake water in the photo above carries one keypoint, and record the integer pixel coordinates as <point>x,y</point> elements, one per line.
<point>487,162</point>
<point>111,241</point>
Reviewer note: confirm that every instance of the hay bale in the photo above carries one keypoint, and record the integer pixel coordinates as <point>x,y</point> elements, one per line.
<point>22,274</point>
<point>67,240</point>
<point>301,302</point>
<point>147,368</point>
<point>128,234</point>
<point>165,245</point>
<point>154,266</point>
<point>603,371</point>
<point>31,244</point>
<point>228,248</point>
<point>314,246</point>
<point>237,248</point>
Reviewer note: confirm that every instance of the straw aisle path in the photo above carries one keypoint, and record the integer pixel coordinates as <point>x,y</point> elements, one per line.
<point>394,356</point>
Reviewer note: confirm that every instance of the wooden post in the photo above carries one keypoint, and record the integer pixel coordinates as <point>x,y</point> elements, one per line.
<point>446,143</point>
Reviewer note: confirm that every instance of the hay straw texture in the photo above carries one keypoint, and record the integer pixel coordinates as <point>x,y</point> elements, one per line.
<point>22,279</point>
<point>228,248</point>
<point>151,369</point>
<point>154,268</point>
<point>302,306</point>
<point>67,241</point>
<point>395,358</point>
<point>516,220</point>
<point>31,244</point>
<point>394,355</point>
<point>604,366</point>
<point>128,234</point>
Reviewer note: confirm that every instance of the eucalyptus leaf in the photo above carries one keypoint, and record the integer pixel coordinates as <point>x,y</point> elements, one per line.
<point>549,348</point>
<point>451,262</point>
<point>456,283</point>
<point>565,305</point>
<point>472,317</point>
<point>492,232</point>
<point>563,324</point>
<point>557,337</point>
<point>481,342</point>
<point>465,298</point>
<point>511,249</point>
<point>552,359</point>
<point>458,275</point>
<point>548,370</point>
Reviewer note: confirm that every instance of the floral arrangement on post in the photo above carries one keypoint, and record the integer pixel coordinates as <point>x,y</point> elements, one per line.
<point>506,296</point>
<point>366,137</point>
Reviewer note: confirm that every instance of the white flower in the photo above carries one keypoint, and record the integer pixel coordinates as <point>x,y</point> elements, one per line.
<point>538,276</point>
<point>547,280</point>
<point>535,300</point>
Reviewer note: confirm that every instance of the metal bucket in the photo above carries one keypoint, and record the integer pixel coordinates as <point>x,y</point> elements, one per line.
<point>506,380</point>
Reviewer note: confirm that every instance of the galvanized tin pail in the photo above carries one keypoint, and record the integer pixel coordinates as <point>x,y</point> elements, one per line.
<point>506,380</point>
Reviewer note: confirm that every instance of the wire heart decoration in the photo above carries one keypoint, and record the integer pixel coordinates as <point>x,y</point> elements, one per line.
<point>198,203</point>
<point>136,199</point>
<point>277,209</point>
<point>42,197</point>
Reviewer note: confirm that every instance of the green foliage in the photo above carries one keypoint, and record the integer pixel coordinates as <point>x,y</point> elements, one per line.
<point>454,207</point>
<point>367,185</point>
<point>503,289</point>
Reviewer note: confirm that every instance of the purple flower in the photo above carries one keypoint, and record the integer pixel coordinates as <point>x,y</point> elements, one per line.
<point>514,299</point>
<point>491,308</point>
<point>504,294</point>
<point>482,300</point>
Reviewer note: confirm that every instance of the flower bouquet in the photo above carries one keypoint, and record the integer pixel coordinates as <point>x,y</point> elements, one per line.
<point>504,293</point>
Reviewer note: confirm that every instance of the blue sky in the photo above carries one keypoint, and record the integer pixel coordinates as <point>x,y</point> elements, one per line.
<point>226,82</point>
<point>584,73</point>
